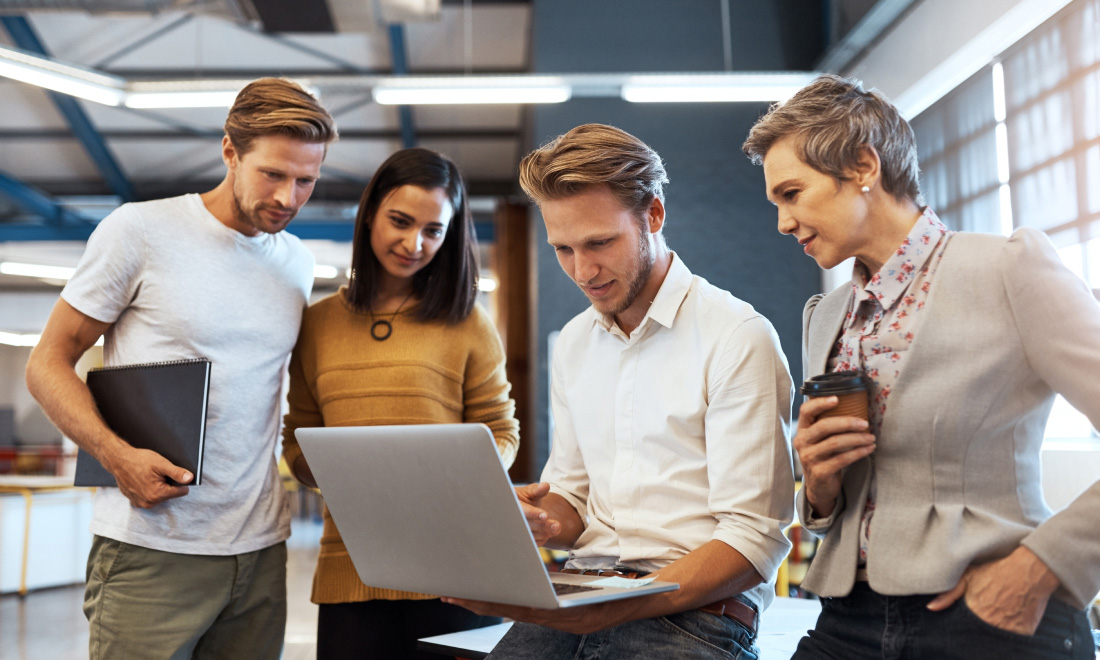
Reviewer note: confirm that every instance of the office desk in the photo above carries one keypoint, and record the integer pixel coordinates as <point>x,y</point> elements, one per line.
<point>28,486</point>
<point>782,625</point>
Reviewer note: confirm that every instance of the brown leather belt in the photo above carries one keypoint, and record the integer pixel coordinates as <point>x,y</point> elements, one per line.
<point>732,607</point>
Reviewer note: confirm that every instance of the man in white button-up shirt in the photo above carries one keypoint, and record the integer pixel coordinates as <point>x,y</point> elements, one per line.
<point>671,402</point>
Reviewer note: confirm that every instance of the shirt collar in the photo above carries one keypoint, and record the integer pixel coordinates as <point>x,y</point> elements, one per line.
<point>890,282</point>
<point>665,304</point>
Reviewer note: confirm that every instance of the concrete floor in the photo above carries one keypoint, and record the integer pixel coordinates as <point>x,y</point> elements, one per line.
<point>49,624</point>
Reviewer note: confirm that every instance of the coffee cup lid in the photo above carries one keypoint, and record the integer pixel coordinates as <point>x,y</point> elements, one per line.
<point>835,383</point>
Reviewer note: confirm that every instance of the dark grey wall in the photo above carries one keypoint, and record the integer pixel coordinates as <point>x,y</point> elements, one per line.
<point>718,219</point>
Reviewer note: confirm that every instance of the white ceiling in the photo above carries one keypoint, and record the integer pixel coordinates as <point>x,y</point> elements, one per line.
<point>166,152</point>
<point>158,150</point>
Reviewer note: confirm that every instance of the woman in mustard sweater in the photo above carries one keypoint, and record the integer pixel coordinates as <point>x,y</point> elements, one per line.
<point>402,343</point>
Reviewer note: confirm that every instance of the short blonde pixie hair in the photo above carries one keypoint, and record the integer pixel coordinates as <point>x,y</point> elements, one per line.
<point>832,118</point>
<point>592,155</point>
<point>276,106</point>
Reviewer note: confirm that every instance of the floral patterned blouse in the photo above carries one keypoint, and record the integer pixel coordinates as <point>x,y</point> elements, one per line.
<point>882,322</point>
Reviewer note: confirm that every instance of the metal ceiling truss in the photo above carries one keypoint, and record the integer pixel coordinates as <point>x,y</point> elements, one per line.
<point>399,55</point>
<point>125,49</point>
<point>60,223</point>
<point>367,134</point>
<point>241,11</point>
<point>95,146</point>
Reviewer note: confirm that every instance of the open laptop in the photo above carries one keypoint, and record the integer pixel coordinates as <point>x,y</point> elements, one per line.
<point>430,509</point>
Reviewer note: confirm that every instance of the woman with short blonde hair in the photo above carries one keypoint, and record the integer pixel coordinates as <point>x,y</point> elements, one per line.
<point>936,541</point>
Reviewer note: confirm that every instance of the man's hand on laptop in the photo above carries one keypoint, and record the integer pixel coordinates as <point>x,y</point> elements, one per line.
<point>543,527</point>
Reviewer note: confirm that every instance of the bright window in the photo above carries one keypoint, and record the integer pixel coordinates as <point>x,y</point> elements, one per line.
<point>1018,145</point>
<point>1052,102</point>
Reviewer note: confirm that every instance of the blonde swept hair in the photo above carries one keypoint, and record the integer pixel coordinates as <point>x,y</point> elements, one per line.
<point>832,118</point>
<point>592,155</point>
<point>276,106</point>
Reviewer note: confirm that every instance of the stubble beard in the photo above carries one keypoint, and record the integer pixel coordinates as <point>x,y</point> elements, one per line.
<point>254,219</point>
<point>643,266</point>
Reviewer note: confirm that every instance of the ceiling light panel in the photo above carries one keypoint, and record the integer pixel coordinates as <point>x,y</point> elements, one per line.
<point>64,78</point>
<point>714,88</point>
<point>471,90</point>
<point>36,270</point>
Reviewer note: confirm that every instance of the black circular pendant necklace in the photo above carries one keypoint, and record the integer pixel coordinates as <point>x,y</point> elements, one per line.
<point>381,329</point>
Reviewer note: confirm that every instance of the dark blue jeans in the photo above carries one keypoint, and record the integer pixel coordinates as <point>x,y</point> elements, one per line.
<point>866,625</point>
<point>691,634</point>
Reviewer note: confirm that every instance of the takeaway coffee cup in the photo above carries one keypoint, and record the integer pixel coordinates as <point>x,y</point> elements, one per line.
<point>850,388</point>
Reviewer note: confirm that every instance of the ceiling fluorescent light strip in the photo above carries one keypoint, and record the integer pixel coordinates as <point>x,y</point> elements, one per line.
<point>63,78</point>
<point>717,88</point>
<point>18,339</point>
<point>471,90</point>
<point>183,93</point>
<point>410,90</point>
<point>325,272</point>
<point>196,99</point>
<point>36,270</point>
<point>27,339</point>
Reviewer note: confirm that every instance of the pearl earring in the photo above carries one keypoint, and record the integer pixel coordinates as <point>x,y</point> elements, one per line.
<point>866,189</point>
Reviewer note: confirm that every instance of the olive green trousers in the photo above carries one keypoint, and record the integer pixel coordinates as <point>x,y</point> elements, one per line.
<point>153,605</point>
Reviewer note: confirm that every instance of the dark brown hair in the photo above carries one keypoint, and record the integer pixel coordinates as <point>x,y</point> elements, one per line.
<point>447,287</point>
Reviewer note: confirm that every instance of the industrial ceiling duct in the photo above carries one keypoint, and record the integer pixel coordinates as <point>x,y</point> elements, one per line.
<point>241,11</point>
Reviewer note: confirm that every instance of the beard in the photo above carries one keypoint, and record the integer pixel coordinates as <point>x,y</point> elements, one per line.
<point>639,275</point>
<point>254,219</point>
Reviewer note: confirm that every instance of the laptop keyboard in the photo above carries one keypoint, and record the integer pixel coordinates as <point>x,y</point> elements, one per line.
<point>564,589</point>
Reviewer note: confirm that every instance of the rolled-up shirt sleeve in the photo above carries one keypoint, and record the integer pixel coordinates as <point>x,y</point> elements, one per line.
<point>748,452</point>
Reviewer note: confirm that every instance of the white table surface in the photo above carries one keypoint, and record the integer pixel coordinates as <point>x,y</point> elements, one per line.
<point>34,481</point>
<point>781,626</point>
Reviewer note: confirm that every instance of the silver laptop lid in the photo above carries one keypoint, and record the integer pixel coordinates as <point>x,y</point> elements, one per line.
<point>429,509</point>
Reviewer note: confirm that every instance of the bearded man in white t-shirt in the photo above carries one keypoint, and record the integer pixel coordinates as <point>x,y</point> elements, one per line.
<point>177,571</point>
<point>671,402</point>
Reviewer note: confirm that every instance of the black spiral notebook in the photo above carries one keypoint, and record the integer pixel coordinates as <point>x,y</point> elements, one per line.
<point>159,406</point>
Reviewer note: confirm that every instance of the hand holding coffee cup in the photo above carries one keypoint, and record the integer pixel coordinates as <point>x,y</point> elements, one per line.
<point>850,389</point>
<point>832,437</point>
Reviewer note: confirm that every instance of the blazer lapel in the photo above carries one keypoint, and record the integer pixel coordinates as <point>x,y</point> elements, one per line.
<point>824,327</point>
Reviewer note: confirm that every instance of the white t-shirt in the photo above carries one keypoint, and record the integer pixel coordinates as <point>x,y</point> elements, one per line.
<point>176,283</point>
<point>675,435</point>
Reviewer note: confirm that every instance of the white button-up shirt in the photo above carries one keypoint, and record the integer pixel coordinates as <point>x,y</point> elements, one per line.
<point>675,435</point>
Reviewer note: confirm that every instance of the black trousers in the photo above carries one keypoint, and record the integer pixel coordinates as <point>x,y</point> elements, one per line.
<point>388,629</point>
<point>869,626</point>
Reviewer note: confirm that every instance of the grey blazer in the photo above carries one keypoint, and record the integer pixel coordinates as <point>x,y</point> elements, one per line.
<point>957,461</point>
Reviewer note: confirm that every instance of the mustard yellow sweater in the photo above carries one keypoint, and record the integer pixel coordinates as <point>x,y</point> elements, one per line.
<point>424,373</point>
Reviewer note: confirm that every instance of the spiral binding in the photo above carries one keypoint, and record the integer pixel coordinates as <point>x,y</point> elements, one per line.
<point>166,363</point>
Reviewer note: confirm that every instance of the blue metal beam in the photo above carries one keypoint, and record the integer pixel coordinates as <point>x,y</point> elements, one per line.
<point>39,203</point>
<point>335,230</point>
<point>400,68</point>
<point>344,230</point>
<point>331,231</point>
<point>37,232</point>
<point>25,37</point>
